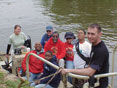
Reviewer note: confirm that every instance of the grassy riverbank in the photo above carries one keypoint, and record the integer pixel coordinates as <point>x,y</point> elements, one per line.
<point>7,83</point>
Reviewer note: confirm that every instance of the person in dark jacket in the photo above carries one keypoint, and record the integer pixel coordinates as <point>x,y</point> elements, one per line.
<point>47,36</point>
<point>48,70</point>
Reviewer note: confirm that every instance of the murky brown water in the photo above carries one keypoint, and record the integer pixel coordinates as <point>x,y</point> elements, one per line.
<point>64,15</point>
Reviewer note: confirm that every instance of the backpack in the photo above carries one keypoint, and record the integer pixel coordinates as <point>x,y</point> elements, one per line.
<point>27,43</point>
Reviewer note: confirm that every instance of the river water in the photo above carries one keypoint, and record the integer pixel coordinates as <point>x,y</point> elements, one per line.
<point>63,15</point>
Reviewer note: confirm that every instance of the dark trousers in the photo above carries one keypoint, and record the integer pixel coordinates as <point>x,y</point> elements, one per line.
<point>78,83</point>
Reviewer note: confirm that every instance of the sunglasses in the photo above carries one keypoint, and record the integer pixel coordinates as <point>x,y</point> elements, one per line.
<point>68,38</point>
<point>48,31</point>
<point>55,36</point>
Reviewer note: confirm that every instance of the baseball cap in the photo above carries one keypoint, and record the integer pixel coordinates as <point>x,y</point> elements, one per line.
<point>49,28</point>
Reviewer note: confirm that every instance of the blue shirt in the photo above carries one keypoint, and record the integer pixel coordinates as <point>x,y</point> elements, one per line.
<point>44,39</point>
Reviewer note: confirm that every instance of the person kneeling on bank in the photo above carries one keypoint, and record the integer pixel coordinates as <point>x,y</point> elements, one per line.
<point>35,65</point>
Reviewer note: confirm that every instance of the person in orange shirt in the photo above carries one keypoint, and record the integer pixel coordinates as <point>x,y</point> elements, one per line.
<point>35,65</point>
<point>55,45</point>
<point>69,36</point>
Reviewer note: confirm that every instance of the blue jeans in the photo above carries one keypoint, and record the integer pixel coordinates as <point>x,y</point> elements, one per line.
<point>43,86</point>
<point>33,76</point>
<point>69,65</point>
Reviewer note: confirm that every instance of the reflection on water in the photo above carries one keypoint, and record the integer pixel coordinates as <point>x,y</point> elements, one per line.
<point>64,15</point>
<point>72,14</point>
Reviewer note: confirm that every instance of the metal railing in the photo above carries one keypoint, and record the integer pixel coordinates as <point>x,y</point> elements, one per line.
<point>86,85</point>
<point>49,63</point>
<point>113,57</point>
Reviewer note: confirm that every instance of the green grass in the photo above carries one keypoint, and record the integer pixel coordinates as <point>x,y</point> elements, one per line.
<point>1,75</point>
<point>1,78</point>
<point>10,84</point>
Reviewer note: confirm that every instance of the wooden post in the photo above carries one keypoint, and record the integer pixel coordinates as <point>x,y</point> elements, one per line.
<point>64,81</point>
<point>17,60</point>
